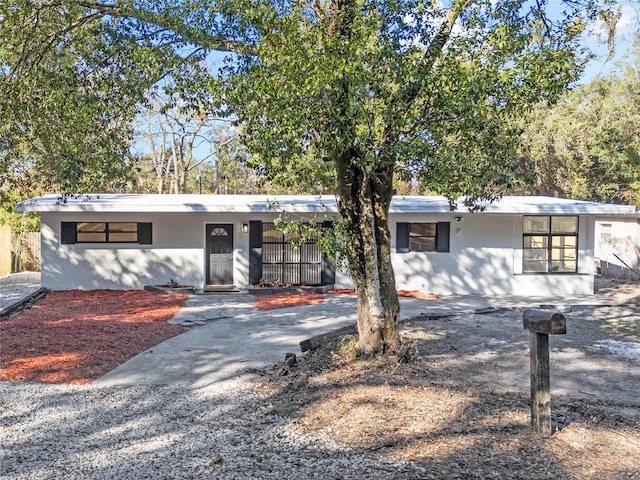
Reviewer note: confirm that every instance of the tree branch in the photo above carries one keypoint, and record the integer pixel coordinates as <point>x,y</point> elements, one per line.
<point>405,97</point>
<point>189,34</point>
<point>317,10</point>
<point>434,51</point>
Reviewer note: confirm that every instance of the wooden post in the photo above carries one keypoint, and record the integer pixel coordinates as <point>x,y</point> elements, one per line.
<point>540,383</point>
<point>541,323</point>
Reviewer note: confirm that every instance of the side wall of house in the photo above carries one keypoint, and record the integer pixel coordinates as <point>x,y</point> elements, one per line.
<point>617,248</point>
<point>485,258</point>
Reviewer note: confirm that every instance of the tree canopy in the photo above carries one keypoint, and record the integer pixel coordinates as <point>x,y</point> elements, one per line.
<point>588,145</point>
<point>345,93</point>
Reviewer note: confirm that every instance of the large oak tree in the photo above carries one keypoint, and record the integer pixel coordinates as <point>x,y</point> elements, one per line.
<point>369,89</point>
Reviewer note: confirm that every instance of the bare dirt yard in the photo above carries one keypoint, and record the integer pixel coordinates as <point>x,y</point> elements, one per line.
<point>457,401</point>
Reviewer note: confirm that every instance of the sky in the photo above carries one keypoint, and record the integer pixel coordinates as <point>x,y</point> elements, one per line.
<point>627,32</point>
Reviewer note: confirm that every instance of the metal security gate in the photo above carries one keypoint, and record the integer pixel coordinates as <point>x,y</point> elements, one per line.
<point>219,251</point>
<point>284,263</point>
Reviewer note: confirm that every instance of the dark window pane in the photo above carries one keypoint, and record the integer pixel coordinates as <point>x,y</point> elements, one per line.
<point>537,254</point>
<point>564,266</point>
<point>535,266</point>
<point>291,254</point>
<point>271,253</point>
<point>92,237</point>
<point>423,244</point>
<point>123,227</point>
<point>550,244</point>
<point>271,271</point>
<point>289,264</point>
<point>536,225</point>
<point>563,254</point>
<point>560,241</point>
<point>291,274</point>
<point>564,224</point>
<point>422,237</point>
<point>310,254</point>
<point>92,232</point>
<point>270,234</point>
<point>123,237</point>
<point>422,229</point>
<point>92,227</point>
<point>535,241</point>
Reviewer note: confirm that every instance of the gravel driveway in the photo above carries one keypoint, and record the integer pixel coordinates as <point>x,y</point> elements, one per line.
<point>226,431</point>
<point>17,286</point>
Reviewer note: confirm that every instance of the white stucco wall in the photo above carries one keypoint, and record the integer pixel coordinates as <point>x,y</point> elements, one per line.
<point>177,252</point>
<point>486,258</point>
<point>485,255</point>
<point>617,236</point>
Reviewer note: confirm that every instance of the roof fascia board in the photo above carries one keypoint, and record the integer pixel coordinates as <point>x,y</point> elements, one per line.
<point>131,203</point>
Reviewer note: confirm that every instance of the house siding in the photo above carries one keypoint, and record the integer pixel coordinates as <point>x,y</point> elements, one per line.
<point>484,257</point>
<point>176,252</point>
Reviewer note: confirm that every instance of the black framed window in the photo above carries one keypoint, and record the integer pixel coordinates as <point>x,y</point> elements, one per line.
<point>422,237</point>
<point>105,232</point>
<point>550,244</point>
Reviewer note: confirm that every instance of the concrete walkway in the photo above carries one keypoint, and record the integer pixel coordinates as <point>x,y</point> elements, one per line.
<point>231,339</point>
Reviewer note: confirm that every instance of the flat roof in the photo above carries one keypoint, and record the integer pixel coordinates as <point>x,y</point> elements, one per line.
<point>130,202</point>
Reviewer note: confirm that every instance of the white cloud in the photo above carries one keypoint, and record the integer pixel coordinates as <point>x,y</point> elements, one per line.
<point>628,24</point>
<point>629,19</point>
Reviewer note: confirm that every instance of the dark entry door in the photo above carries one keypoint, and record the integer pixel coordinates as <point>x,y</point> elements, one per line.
<point>219,254</point>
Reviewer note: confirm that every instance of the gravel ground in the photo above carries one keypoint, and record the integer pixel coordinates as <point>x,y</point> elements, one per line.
<point>16,286</point>
<point>226,431</point>
<point>221,431</point>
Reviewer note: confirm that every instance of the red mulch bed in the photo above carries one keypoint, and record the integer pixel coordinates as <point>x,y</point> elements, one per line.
<point>401,293</point>
<point>417,294</point>
<point>271,302</point>
<point>77,336</point>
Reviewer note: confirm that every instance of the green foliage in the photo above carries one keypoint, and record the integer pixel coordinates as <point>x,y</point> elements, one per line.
<point>431,90</point>
<point>325,229</point>
<point>19,222</point>
<point>588,145</point>
<point>70,85</point>
<point>385,89</point>
<point>330,95</point>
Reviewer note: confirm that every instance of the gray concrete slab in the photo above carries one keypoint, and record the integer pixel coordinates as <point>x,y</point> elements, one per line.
<point>231,339</point>
<point>235,341</point>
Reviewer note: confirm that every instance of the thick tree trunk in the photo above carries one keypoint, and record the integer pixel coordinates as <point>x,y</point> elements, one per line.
<point>364,205</point>
<point>365,186</point>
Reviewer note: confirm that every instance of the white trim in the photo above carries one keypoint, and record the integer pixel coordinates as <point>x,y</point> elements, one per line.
<point>132,203</point>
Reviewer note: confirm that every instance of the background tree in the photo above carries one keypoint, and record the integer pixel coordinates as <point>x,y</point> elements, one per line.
<point>588,145</point>
<point>178,141</point>
<point>351,93</point>
<point>71,84</point>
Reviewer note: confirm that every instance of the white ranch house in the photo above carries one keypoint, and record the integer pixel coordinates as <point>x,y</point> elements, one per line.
<point>516,246</point>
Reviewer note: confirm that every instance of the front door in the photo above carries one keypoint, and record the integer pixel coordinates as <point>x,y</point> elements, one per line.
<point>219,254</point>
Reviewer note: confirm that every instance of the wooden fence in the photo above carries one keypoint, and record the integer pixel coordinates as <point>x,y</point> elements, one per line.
<point>31,251</point>
<point>5,250</point>
<point>17,255</point>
